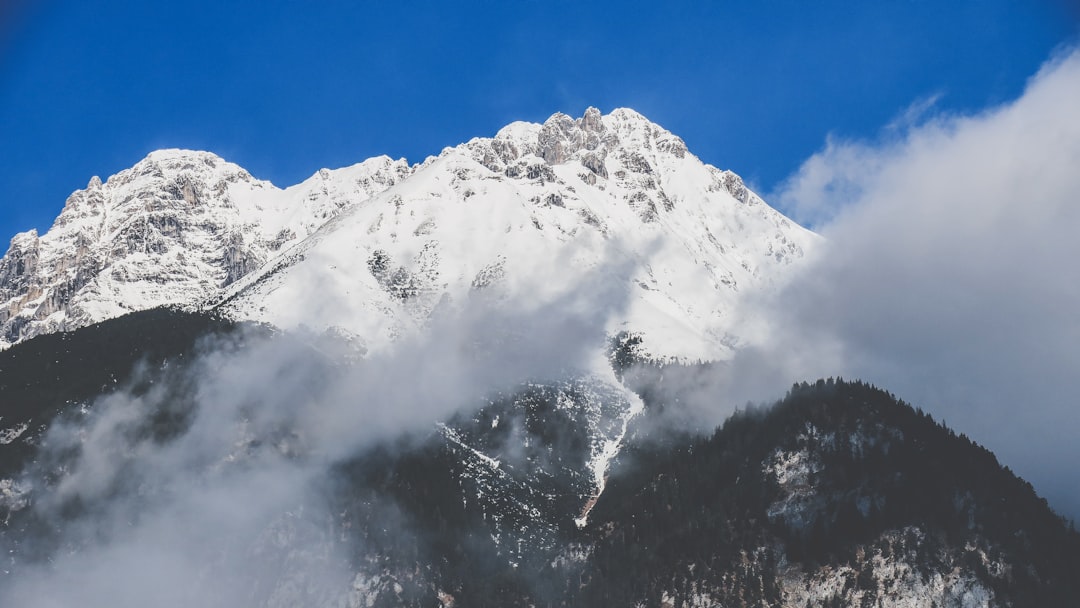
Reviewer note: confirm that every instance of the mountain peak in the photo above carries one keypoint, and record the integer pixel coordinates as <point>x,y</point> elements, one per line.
<point>629,115</point>
<point>171,156</point>
<point>173,229</point>
<point>498,212</point>
<point>592,120</point>
<point>182,227</point>
<point>589,140</point>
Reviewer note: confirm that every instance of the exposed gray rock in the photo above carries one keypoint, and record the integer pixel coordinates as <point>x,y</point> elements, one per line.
<point>595,163</point>
<point>557,139</point>
<point>734,184</point>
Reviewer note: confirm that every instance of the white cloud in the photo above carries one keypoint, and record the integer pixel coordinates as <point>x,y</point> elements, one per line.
<point>952,273</point>
<point>229,509</point>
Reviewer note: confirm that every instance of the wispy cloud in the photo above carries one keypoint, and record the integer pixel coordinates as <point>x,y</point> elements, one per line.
<point>950,277</point>
<point>209,488</point>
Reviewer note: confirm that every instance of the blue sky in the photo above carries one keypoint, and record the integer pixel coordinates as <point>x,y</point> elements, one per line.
<point>284,88</point>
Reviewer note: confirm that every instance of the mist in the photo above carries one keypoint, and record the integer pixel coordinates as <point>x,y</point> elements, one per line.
<point>948,276</point>
<point>209,485</point>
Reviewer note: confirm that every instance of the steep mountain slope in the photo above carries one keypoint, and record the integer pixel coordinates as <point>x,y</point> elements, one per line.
<point>173,230</point>
<point>530,211</point>
<point>43,378</point>
<point>839,495</point>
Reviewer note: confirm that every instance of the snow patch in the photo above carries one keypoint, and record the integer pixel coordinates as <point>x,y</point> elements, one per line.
<point>13,433</point>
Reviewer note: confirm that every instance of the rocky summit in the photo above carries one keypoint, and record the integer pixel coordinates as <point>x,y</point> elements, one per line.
<point>175,230</point>
<point>372,249</point>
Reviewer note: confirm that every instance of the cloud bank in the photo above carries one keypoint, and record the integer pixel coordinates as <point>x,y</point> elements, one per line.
<point>951,275</point>
<point>210,486</point>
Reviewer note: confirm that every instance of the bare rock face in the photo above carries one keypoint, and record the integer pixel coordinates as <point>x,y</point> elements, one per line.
<point>173,230</point>
<point>556,140</point>
<point>595,164</point>
<point>562,138</point>
<point>20,263</point>
<point>592,122</point>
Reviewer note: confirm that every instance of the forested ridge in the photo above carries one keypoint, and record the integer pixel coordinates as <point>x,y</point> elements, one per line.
<point>838,479</point>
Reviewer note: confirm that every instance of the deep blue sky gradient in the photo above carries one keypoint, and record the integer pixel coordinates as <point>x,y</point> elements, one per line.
<point>285,88</point>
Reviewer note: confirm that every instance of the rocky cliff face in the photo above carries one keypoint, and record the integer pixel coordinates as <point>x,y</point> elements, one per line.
<point>173,230</point>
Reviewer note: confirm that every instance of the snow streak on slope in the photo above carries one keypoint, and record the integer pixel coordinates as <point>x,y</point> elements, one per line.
<point>480,215</point>
<point>172,230</point>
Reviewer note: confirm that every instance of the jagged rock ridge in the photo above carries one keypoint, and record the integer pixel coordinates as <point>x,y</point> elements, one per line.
<point>174,229</point>
<point>529,214</point>
<point>372,250</point>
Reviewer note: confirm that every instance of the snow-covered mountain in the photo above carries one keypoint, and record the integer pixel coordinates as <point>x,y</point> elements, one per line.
<point>529,213</point>
<point>613,209</point>
<point>372,250</point>
<point>502,452</point>
<point>175,229</point>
